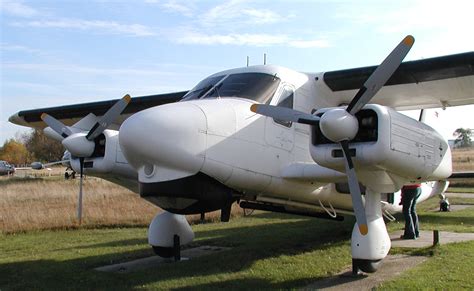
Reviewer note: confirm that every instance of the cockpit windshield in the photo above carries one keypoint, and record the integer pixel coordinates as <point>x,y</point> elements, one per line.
<point>255,86</point>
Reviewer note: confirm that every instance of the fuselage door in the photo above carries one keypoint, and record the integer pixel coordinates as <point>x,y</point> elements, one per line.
<point>280,133</point>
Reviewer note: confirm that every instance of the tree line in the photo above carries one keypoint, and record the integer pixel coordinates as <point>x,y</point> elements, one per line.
<point>31,147</point>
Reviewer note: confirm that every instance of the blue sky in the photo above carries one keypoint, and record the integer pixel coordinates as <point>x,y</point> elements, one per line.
<point>66,52</point>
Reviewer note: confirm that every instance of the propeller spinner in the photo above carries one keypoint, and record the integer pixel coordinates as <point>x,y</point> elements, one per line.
<point>341,126</point>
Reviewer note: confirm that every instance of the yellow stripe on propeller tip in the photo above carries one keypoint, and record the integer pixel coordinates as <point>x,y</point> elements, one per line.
<point>363,229</point>
<point>409,40</point>
<point>127,98</point>
<point>253,108</point>
<point>43,116</point>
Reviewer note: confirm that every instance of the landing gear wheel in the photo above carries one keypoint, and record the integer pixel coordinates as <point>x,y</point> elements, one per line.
<point>366,266</point>
<point>166,252</point>
<point>163,252</point>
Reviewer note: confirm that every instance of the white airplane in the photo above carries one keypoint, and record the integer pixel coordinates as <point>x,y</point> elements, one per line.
<point>274,139</point>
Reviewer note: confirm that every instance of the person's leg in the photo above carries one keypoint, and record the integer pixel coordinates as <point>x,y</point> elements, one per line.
<point>409,232</point>
<point>413,214</point>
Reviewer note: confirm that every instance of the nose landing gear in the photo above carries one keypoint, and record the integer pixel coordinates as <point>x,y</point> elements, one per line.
<point>369,250</point>
<point>167,233</point>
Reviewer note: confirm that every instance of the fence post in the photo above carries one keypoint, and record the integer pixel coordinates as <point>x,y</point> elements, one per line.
<point>435,237</point>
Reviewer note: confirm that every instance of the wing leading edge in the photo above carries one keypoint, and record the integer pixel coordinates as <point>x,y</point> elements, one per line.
<point>71,114</point>
<point>435,82</point>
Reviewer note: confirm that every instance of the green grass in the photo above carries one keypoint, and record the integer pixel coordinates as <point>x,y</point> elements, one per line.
<point>431,219</point>
<point>449,268</point>
<point>268,251</point>
<point>460,190</point>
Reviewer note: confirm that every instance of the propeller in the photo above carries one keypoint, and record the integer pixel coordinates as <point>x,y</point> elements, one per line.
<point>81,144</point>
<point>340,125</point>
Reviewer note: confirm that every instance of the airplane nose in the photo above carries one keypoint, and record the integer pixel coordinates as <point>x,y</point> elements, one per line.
<point>166,142</point>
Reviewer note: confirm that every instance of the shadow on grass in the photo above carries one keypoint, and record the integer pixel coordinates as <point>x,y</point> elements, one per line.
<point>261,284</point>
<point>250,244</point>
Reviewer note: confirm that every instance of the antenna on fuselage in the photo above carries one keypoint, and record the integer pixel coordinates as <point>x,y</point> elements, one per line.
<point>264,58</point>
<point>248,60</point>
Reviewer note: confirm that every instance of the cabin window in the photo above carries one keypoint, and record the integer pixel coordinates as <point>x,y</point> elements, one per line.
<point>286,101</point>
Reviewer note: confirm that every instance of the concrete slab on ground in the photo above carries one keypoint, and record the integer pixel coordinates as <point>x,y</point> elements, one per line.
<point>151,262</point>
<point>390,268</point>
<point>459,195</point>
<point>457,207</point>
<point>426,239</point>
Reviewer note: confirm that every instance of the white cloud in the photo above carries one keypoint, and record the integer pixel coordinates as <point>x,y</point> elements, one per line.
<point>261,16</point>
<point>192,37</point>
<point>17,48</point>
<point>77,69</point>
<point>439,27</point>
<point>100,25</point>
<point>236,11</point>
<point>182,7</point>
<point>317,43</point>
<point>17,8</point>
<point>412,15</point>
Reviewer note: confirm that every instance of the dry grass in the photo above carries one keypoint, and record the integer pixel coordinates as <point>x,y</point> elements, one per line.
<point>35,200</point>
<point>36,203</point>
<point>52,203</point>
<point>463,159</point>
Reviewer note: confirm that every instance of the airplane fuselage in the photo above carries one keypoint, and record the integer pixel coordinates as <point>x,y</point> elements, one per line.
<point>209,150</point>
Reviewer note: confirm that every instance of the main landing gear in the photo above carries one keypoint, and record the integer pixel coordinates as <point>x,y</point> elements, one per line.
<point>369,250</point>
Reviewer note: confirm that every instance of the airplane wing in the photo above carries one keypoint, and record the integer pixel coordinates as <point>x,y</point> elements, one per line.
<point>428,83</point>
<point>71,114</point>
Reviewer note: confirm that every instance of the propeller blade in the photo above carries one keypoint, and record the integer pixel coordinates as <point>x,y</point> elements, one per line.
<point>285,114</point>
<point>356,196</point>
<point>56,125</point>
<point>79,203</point>
<point>108,117</point>
<point>381,75</point>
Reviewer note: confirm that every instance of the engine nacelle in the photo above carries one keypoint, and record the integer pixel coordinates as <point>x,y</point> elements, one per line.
<point>108,162</point>
<point>388,144</point>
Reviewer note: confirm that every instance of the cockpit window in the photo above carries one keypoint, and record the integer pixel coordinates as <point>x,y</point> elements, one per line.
<point>201,88</point>
<point>255,86</point>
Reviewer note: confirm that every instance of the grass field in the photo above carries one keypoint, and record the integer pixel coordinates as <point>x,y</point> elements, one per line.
<point>42,247</point>
<point>463,159</point>
<point>268,250</point>
<point>50,202</point>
